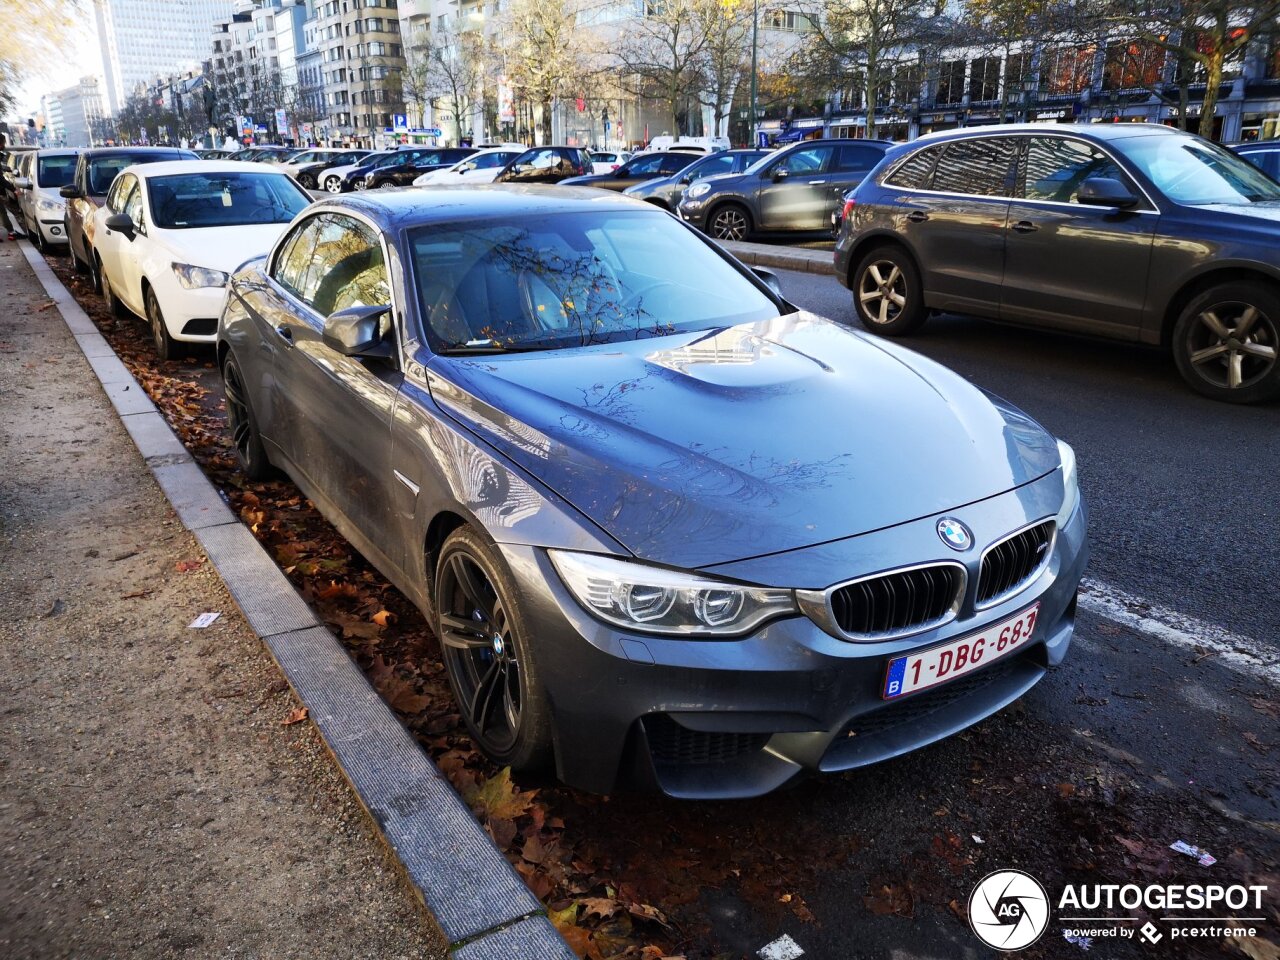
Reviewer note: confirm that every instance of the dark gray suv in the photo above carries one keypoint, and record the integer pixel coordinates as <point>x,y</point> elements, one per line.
<point>1130,231</point>
<point>797,189</point>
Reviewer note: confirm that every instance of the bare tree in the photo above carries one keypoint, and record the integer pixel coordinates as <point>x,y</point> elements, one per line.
<point>727,27</point>
<point>664,50</point>
<point>866,39</point>
<point>1203,36</point>
<point>546,55</point>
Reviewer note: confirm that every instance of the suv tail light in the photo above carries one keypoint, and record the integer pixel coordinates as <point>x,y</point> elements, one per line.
<point>849,204</point>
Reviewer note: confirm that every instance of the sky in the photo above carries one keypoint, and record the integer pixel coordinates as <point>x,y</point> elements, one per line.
<point>76,58</point>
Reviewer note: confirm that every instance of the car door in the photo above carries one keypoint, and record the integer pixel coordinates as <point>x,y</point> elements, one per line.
<point>127,280</point>
<point>793,192</point>
<point>1068,264</point>
<point>108,243</point>
<point>852,163</point>
<point>634,171</point>
<point>957,225</point>
<point>335,411</point>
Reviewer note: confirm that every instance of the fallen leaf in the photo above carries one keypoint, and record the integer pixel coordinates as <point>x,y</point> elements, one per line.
<point>890,899</point>
<point>295,716</point>
<point>384,618</point>
<point>499,797</point>
<point>1066,790</point>
<point>186,566</point>
<point>135,594</point>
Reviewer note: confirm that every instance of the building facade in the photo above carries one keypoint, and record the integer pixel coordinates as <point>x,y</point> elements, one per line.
<point>140,39</point>
<point>361,61</point>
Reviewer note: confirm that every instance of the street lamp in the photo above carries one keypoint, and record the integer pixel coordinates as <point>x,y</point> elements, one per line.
<point>1030,87</point>
<point>755,29</point>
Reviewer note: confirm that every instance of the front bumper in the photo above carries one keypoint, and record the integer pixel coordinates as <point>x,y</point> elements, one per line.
<point>693,212</point>
<point>191,316</point>
<point>52,231</point>
<point>739,718</point>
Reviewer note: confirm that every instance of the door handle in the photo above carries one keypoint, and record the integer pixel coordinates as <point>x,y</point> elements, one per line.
<point>814,183</point>
<point>1025,226</point>
<point>285,334</point>
<point>917,216</point>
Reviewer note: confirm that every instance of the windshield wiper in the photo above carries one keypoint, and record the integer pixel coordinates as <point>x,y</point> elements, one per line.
<point>489,347</point>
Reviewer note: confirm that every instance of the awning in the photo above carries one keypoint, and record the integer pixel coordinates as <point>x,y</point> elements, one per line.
<point>791,136</point>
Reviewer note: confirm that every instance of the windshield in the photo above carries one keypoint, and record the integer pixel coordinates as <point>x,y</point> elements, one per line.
<point>1194,171</point>
<point>573,279</point>
<point>56,171</point>
<point>187,200</point>
<point>102,170</point>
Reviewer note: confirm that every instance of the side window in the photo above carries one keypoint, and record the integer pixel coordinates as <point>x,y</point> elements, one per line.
<point>295,255</point>
<point>916,172</point>
<point>675,162</point>
<point>120,193</point>
<point>979,167</point>
<point>351,271</point>
<point>133,205</point>
<point>722,163</point>
<point>811,160</point>
<point>852,158</point>
<point>649,164</point>
<point>1055,167</point>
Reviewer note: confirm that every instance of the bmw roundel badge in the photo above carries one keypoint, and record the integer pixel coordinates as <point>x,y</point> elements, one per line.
<point>954,534</point>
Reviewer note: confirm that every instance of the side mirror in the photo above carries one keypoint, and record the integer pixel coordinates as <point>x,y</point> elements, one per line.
<point>1106,192</point>
<point>22,183</point>
<point>780,173</point>
<point>357,332</point>
<point>70,191</point>
<point>770,279</point>
<point>686,178</point>
<point>121,223</point>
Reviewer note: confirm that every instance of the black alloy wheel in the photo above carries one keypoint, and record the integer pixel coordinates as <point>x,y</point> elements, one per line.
<point>730,222</point>
<point>483,645</point>
<point>887,294</point>
<point>307,180</point>
<point>1226,342</point>
<point>244,428</point>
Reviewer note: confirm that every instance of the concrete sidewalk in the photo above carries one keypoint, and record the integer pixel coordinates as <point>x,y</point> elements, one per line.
<point>152,803</point>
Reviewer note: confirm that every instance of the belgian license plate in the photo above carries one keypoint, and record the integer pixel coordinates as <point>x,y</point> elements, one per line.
<point>928,668</point>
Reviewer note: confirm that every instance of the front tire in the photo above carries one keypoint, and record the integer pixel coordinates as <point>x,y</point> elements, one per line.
<point>731,221</point>
<point>484,641</point>
<point>1227,340</point>
<point>114,304</point>
<point>166,346</point>
<point>887,294</point>
<point>250,450</point>
<point>307,181</point>
<point>333,184</point>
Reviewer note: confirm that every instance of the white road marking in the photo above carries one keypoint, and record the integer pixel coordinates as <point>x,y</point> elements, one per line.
<point>784,948</point>
<point>1231,650</point>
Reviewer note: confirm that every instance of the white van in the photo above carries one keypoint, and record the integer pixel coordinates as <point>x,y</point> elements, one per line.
<point>699,144</point>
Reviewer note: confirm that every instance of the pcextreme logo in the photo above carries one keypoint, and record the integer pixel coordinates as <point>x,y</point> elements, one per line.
<point>1010,910</point>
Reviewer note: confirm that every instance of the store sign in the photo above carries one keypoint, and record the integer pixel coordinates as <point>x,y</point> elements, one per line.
<point>506,101</point>
<point>400,123</point>
<point>282,121</point>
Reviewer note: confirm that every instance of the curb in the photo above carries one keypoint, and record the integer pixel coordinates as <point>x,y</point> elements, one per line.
<point>781,258</point>
<point>482,906</point>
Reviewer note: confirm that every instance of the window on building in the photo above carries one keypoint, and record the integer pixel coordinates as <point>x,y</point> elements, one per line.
<point>984,79</point>
<point>1067,70</point>
<point>787,21</point>
<point>1133,64</point>
<point>950,81</point>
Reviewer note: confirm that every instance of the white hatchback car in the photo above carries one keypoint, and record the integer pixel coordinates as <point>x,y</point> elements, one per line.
<point>480,167</point>
<point>171,233</point>
<point>43,207</point>
<point>607,161</point>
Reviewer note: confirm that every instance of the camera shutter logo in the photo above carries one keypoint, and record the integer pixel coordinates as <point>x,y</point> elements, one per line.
<point>1009,910</point>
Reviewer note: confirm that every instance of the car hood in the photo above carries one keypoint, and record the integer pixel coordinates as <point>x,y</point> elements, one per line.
<point>702,448</point>
<point>221,248</point>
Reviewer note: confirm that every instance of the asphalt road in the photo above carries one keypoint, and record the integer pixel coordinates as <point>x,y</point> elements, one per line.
<point>1182,490</point>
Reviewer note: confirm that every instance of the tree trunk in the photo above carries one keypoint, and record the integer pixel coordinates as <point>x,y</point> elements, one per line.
<point>871,101</point>
<point>1212,80</point>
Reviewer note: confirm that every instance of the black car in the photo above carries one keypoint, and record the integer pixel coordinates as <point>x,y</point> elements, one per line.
<point>408,165</point>
<point>546,165</point>
<point>308,175</point>
<point>646,166</point>
<point>355,178</point>
<point>797,189</point>
<point>1263,154</point>
<point>1134,232</point>
<point>666,191</point>
<point>87,191</point>
<point>596,451</point>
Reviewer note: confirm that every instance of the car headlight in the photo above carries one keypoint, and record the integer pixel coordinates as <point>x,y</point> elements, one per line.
<point>193,278</point>
<point>639,597</point>
<point>698,190</point>
<point>49,206</point>
<point>1070,485</point>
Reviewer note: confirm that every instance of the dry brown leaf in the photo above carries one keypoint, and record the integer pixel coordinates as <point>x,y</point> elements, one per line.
<point>186,566</point>
<point>384,618</point>
<point>295,716</point>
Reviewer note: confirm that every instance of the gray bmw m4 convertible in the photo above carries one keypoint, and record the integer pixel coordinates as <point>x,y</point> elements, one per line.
<point>672,532</point>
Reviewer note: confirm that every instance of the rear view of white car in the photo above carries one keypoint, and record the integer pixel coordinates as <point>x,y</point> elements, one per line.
<point>43,207</point>
<point>607,161</point>
<point>170,234</point>
<point>480,167</point>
